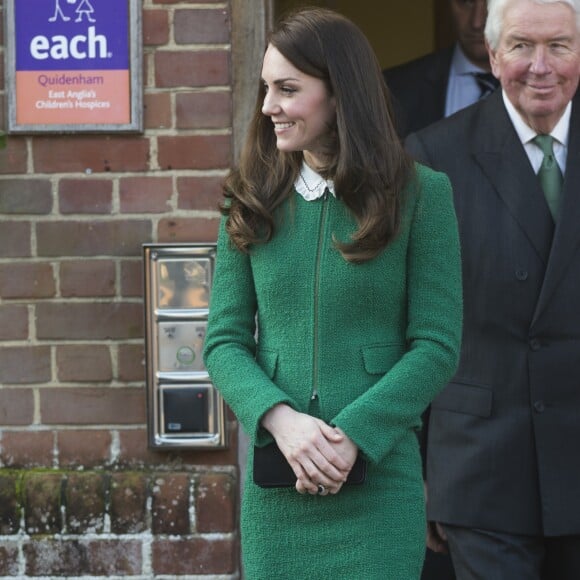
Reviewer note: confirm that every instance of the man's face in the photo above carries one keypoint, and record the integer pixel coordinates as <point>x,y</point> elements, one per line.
<point>469,18</point>
<point>538,60</point>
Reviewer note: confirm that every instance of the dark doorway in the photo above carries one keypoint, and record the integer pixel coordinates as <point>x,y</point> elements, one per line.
<point>398,31</point>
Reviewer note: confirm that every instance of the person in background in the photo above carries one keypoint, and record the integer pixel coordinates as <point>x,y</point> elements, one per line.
<point>335,311</point>
<point>437,85</point>
<point>503,471</point>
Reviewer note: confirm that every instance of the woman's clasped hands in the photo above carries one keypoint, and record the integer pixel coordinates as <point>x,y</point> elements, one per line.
<point>320,455</point>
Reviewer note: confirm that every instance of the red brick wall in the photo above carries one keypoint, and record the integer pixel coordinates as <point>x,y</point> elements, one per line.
<point>80,492</point>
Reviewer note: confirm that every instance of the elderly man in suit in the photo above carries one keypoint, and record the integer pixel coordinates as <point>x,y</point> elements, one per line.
<point>503,469</point>
<point>440,83</point>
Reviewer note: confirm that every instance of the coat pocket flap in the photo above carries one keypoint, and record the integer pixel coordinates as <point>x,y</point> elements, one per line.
<point>268,360</point>
<point>464,398</point>
<point>381,358</point>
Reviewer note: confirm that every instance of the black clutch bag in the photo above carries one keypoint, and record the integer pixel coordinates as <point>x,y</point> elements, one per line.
<point>272,470</point>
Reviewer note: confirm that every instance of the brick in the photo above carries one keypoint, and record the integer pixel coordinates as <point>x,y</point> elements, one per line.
<point>90,154</point>
<point>27,449</point>
<point>96,238</point>
<point>194,152</point>
<point>92,406</point>
<point>96,321</point>
<point>9,505</point>
<point>145,194</point>
<point>199,193</point>
<point>14,239</point>
<point>208,110</point>
<point>9,559</point>
<point>83,278</point>
<point>26,196</point>
<point>13,322</point>
<point>215,503</point>
<point>115,558</point>
<point>42,501</point>
<point>170,507</point>
<point>54,558</point>
<point>157,111</point>
<point>85,497</point>
<point>74,558</point>
<point>201,26</point>
<point>131,362</point>
<point>84,363</point>
<point>187,68</point>
<point>134,453</point>
<point>14,157</point>
<point>155,27</point>
<point>16,405</point>
<point>87,449</point>
<point>188,230</point>
<point>25,364</point>
<point>128,508</point>
<point>194,556</point>
<point>85,196</point>
<point>132,278</point>
<point>27,280</point>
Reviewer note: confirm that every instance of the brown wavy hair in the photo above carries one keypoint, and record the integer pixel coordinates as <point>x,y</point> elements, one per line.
<point>369,165</point>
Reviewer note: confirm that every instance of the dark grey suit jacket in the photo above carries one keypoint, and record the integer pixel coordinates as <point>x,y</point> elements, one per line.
<point>419,90</point>
<point>503,434</point>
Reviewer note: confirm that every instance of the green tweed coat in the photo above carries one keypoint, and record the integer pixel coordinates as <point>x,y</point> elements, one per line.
<point>376,341</point>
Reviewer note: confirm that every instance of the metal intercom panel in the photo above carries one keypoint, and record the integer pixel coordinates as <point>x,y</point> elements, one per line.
<point>184,408</point>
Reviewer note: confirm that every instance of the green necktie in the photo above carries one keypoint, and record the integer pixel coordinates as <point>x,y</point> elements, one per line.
<point>550,174</point>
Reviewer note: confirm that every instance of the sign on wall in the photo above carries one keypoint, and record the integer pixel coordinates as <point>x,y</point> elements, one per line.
<point>73,65</point>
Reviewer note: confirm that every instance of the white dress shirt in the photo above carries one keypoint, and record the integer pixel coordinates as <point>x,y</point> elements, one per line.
<point>527,134</point>
<point>462,88</point>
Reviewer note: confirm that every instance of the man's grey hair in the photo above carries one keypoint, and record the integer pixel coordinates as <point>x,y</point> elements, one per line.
<point>496,10</point>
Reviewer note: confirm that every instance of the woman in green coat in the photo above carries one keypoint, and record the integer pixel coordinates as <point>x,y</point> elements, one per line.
<point>335,312</point>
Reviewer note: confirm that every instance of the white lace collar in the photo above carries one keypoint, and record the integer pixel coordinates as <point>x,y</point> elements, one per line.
<point>310,185</point>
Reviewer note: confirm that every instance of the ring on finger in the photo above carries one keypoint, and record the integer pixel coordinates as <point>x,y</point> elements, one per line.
<point>321,489</point>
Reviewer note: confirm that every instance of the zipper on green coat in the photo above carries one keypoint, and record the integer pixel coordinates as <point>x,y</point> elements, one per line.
<point>321,229</point>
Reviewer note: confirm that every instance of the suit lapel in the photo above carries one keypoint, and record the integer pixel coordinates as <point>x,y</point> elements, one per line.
<point>567,234</point>
<point>437,77</point>
<point>499,152</point>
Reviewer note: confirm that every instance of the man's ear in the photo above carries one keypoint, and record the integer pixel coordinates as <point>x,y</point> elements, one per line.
<point>495,69</point>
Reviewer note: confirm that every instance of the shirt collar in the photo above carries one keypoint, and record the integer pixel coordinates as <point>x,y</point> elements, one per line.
<point>526,133</point>
<point>311,185</point>
<point>461,65</point>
